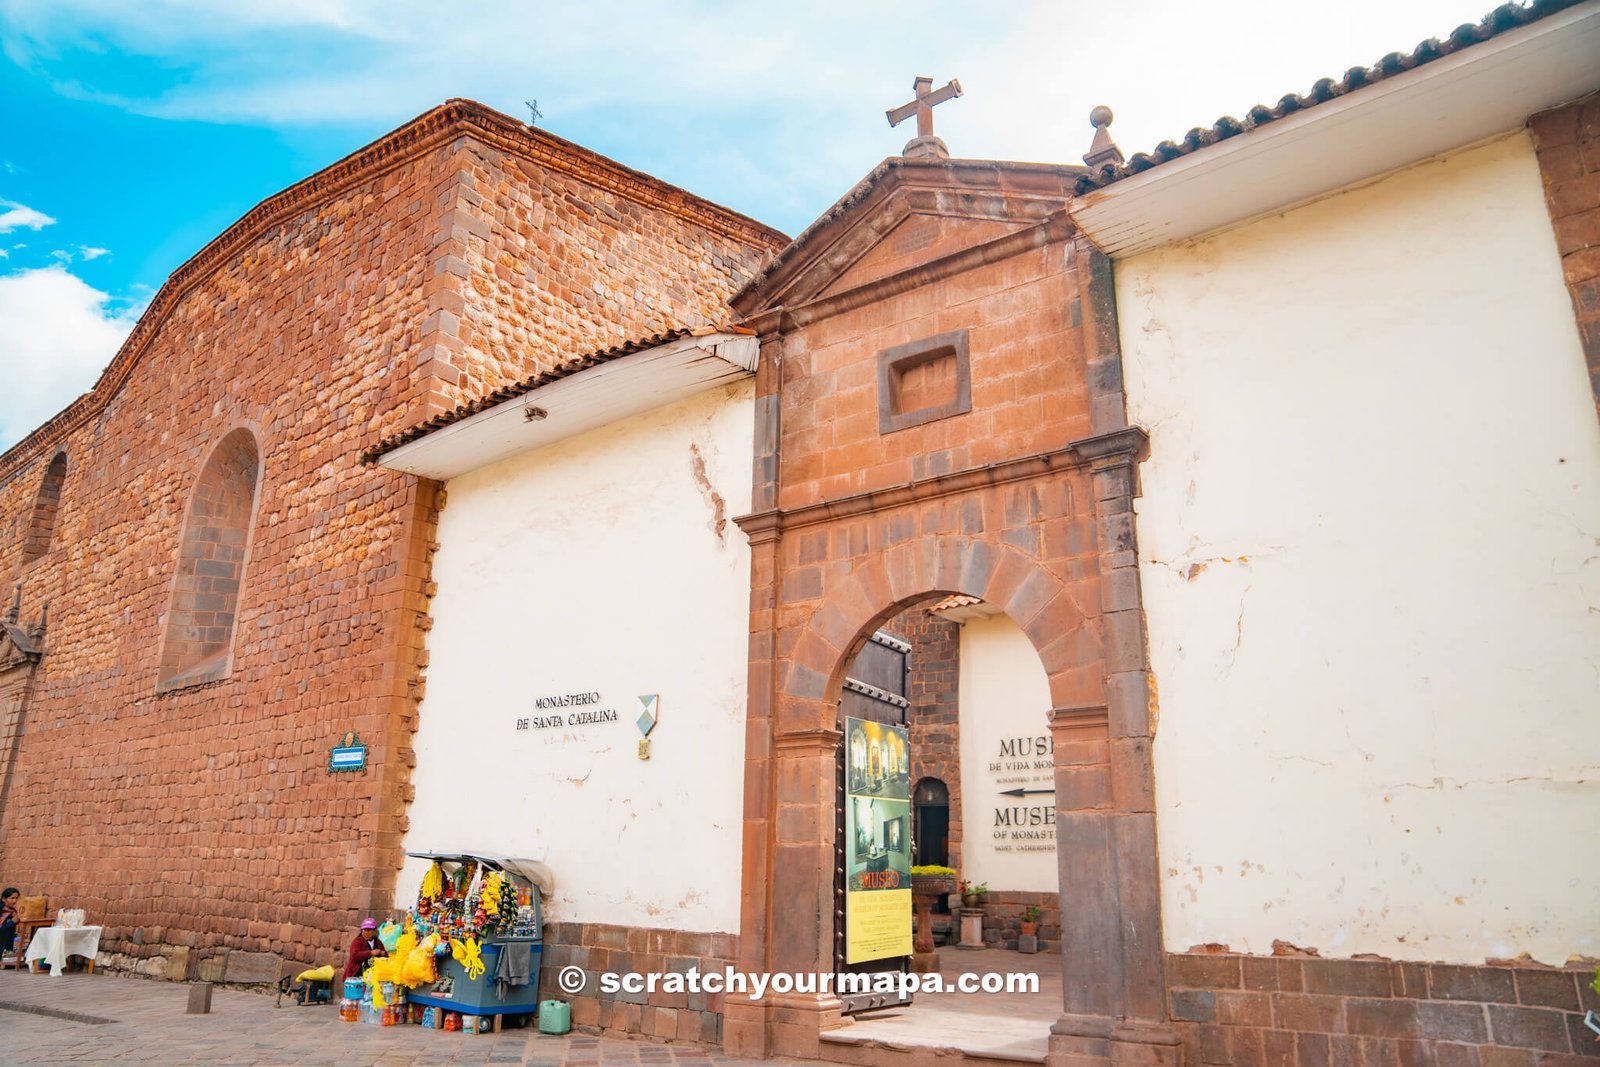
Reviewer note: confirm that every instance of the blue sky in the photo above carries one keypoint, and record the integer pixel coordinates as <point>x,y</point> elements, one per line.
<point>131,134</point>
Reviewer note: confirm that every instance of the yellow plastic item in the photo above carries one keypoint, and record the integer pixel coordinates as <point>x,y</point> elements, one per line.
<point>385,969</point>
<point>316,974</point>
<point>473,960</point>
<point>404,943</point>
<point>416,967</point>
<point>433,882</point>
<point>493,887</point>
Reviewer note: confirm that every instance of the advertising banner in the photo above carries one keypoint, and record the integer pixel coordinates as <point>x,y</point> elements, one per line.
<point>877,901</point>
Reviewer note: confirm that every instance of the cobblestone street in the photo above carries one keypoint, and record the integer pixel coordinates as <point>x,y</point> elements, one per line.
<point>111,1019</point>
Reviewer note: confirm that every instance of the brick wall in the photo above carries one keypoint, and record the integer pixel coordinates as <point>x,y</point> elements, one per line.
<point>1020,404</point>
<point>199,824</point>
<point>932,684</point>
<point>1251,1011</point>
<point>46,504</point>
<point>203,819</point>
<point>1002,917</point>
<point>551,252</point>
<point>210,571</point>
<point>1567,141</point>
<point>599,948</point>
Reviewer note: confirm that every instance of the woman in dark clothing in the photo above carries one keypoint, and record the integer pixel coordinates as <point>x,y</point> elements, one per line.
<point>8,919</point>
<point>366,946</point>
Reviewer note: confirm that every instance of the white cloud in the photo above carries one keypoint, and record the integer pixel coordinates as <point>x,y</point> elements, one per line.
<point>57,333</point>
<point>92,253</point>
<point>773,110</point>
<point>16,216</point>
<point>811,71</point>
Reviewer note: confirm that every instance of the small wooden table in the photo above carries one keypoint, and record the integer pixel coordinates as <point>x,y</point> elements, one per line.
<point>53,944</point>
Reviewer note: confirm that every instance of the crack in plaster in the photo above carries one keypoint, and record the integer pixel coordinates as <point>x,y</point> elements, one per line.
<point>719,507</point>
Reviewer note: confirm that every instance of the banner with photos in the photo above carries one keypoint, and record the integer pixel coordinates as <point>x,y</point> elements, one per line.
<point>877,901</point>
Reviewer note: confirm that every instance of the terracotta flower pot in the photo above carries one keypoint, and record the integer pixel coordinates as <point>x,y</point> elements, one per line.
<point>1030,929</point>
<point>970,900</point>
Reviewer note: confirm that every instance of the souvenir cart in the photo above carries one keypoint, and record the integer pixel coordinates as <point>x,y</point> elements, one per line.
<point>485,913</point>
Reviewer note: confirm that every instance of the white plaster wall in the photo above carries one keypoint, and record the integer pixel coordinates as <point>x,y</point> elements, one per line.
<point>1370,547</point>
<point>1004,707</point>
<point>603,563</point>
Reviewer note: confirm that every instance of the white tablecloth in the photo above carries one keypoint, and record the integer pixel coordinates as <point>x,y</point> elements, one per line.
<point>54,944</point>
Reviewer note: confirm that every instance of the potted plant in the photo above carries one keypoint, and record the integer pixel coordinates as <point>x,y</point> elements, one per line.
<point>969,894</point>
<point>929,882</point>
<point>1030,920</point>
<point>932,880</point>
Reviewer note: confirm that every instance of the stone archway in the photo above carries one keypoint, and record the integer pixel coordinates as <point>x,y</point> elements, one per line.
<point>1114,993</point>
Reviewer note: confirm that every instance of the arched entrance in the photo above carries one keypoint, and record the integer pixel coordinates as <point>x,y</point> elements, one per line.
<point>965,717</point>
<point>1102,814</point>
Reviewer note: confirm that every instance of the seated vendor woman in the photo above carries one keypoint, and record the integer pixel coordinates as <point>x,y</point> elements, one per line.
<point>8,919</point>
<point>366,946</point>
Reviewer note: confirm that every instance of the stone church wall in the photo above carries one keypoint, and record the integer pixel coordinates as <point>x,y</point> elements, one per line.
<point>200,826</point>
<point>1367,552</point>
<point>557,253</point>
<point>201,821</point>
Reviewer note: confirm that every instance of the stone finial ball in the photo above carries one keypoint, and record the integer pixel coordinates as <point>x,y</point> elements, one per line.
<point>1100,117</point>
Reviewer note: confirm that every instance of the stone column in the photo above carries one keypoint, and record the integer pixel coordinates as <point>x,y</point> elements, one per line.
<point>1114,987</point>
<point>744,1028</point>
<point>744,1022</point>
<point>802,925</point>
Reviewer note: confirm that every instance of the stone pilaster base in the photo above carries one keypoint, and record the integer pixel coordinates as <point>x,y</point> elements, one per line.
<point>779,1025</point>
<point>1095,1041</point>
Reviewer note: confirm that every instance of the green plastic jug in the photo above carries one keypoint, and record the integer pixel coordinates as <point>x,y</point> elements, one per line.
<point>555,1016</point>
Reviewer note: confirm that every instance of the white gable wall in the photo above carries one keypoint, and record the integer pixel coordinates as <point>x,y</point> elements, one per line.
<point>1370,548</point>
<point>606,563</point>
<point>1008,843</point>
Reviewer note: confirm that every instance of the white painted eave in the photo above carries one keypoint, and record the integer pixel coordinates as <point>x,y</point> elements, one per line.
<point>1483,90</point>
<point>615,390</point>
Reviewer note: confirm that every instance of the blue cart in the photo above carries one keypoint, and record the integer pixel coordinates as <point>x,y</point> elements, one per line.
<point>484,995</point>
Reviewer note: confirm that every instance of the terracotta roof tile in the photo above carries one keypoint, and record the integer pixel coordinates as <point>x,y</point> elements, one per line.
<point>528,385</point>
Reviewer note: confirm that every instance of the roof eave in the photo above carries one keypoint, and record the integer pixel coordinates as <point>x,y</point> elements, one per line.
<point>599,394</point>
<point>1474,94</point>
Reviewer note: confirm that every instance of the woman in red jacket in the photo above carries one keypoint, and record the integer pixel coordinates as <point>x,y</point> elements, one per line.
<point>366,946</point>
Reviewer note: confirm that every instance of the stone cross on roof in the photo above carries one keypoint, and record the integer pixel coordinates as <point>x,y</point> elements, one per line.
<point>924,143</point>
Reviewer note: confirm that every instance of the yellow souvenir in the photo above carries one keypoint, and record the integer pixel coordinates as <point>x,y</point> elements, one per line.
<point>474,958</point>
<point>433,882</point>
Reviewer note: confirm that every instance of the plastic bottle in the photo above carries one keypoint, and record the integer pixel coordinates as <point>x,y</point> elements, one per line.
<point>349,1009</point>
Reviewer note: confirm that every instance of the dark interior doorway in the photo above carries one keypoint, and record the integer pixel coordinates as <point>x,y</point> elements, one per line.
<point>930,804</point>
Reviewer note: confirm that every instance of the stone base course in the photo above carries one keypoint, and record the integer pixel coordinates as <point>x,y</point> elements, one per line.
<point>1253,1011</point>
<point>601,948</point>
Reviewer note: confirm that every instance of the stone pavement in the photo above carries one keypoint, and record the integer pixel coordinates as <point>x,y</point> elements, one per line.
<point>115,1019</point>
<point>1014,1027</point>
